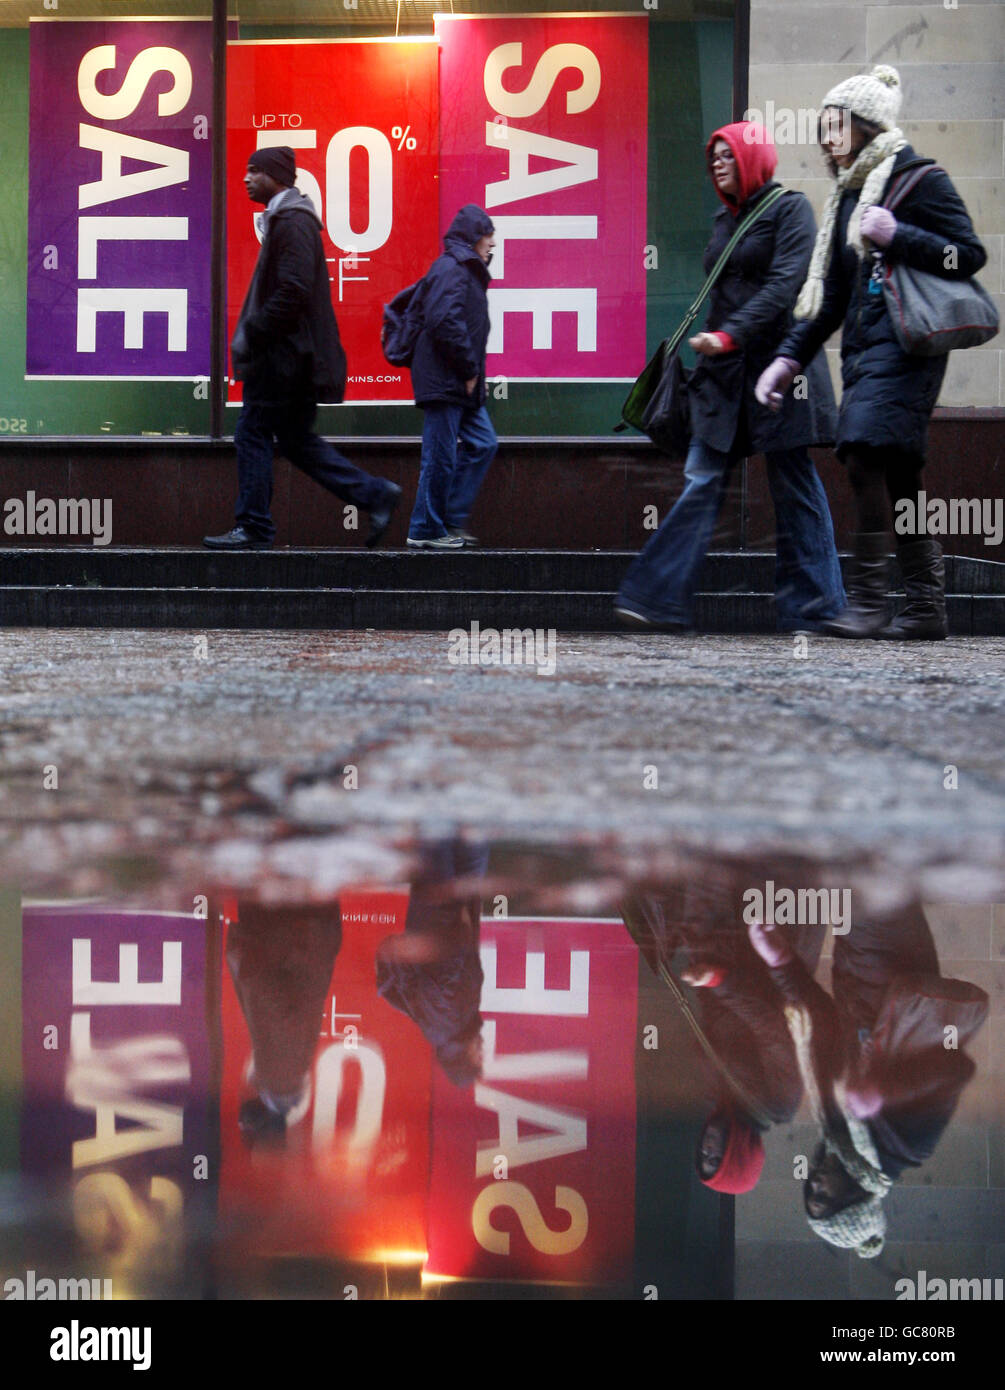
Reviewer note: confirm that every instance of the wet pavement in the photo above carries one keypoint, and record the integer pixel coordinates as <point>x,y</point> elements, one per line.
<point>234,754</point>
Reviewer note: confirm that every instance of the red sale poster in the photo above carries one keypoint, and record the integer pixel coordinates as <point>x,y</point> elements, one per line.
<point>361,116</point>
<point>543,123</point>
<point>533,1169</point>
<point>350,1178</point>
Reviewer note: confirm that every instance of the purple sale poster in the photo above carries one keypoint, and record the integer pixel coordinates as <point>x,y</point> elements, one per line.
<point>119,199</point>
<point>115,1050</point>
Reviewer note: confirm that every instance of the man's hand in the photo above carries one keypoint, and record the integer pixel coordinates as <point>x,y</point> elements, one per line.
<point>707,344</point>
<point>469,386</point>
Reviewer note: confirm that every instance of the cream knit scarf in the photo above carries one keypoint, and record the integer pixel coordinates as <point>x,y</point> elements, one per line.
<point>849,1140</point>
<point>870,172</point>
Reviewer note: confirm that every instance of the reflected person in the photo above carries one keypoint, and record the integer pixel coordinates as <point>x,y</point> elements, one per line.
<point>880,1076</point>
<point>281,962</point>
<point>750,1075</point>
<point>432,970</point>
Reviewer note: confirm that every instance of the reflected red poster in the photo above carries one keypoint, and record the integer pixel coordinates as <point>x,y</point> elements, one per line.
<point>362,118</point>
<point>350,1178</point>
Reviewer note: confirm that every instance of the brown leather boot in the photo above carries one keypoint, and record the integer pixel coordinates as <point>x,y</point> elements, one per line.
<point>923,617</point>
<point>868,585</point>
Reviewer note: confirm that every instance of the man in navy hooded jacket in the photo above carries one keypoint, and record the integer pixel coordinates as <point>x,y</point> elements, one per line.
<point>448,378</point>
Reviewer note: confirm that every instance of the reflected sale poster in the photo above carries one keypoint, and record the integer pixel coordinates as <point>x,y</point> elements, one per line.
<point>361,117</point>
<point>543,123</point>
<point>533,1167</point>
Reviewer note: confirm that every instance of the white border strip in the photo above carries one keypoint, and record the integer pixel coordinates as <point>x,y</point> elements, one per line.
<point>251,43</point>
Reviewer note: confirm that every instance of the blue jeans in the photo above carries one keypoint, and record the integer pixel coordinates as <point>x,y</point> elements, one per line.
<point>661,581</point>
<point>457,447</point>
<point>290,426</point>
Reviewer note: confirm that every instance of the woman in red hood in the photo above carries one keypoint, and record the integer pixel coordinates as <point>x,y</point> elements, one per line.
<point>750,311</point>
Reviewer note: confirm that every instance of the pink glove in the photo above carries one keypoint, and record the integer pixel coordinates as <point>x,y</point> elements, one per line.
<point>879,225</point>
<point>864,1100</point>
<point>774,381</point>
<point>769,943</point>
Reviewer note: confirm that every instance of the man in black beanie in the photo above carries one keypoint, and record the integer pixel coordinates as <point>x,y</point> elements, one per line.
<point>287,352</point>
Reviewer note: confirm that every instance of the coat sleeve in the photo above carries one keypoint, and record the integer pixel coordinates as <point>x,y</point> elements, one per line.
<point>807,337</point>
<point>444,318</point>
<point>794,236</point>
<point>934,231</point>
<point>293,249</point>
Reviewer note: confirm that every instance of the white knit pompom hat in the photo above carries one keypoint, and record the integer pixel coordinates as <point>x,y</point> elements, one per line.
<point>874,96</point>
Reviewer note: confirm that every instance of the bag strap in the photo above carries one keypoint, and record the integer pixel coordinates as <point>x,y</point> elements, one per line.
<point>753,1107</point>
<point>907,183</point>
<point>673,342</point>
<point>756,1111</point>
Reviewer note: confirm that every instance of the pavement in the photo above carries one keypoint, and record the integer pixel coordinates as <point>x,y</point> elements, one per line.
<point>156,764</point>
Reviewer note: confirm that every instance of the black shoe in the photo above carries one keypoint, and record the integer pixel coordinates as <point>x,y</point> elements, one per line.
<point>868,586</point>
<point>380,516</point>
<point>630,617</point>
<point>923,617</point>
<point>237,539</point>
<point>259,1124</point>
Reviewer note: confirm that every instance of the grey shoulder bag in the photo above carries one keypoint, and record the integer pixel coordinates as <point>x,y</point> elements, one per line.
<point>931,315</point>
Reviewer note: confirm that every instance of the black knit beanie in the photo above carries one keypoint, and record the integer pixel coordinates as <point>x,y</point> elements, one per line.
<point>278,161</point>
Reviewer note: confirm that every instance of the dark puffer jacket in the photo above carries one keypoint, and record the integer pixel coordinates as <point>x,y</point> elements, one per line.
<point>286,342</point>
<point>752,302</point>
<point>888,395</point>
<point>451,346</point>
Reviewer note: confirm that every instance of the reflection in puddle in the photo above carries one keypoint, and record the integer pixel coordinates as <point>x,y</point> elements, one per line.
<point>517,1073</point>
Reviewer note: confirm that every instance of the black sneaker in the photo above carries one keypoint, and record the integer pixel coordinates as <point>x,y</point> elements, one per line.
<point>237,539</point>
<point>630,617</point>
<point>380,516</point>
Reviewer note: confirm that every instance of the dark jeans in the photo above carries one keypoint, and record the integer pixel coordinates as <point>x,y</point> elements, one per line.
<point>457,447</point>
<point>660,584</point>
<point>281,962</point>
<point>289,425</point>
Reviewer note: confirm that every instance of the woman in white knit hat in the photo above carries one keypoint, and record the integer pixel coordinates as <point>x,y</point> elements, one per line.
<point>888,395</point>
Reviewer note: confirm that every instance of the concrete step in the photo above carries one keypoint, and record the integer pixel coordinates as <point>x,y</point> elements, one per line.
<point>77,586</point>
<point>401,609</point>
<point>598,571</point>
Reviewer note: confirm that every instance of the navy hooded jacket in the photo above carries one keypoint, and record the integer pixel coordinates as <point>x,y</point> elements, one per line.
<point>451,347</point>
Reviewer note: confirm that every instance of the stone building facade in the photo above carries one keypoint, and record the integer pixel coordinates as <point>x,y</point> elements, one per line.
<point>951,60</point>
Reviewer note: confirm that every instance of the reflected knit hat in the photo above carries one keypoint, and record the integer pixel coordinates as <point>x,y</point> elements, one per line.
<point>278,161</point>
<point>860,1227</point>
<point>874,96</point>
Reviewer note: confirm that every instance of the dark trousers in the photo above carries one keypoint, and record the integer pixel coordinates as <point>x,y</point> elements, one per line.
<point>263,428</point>
<point>281,962</point>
